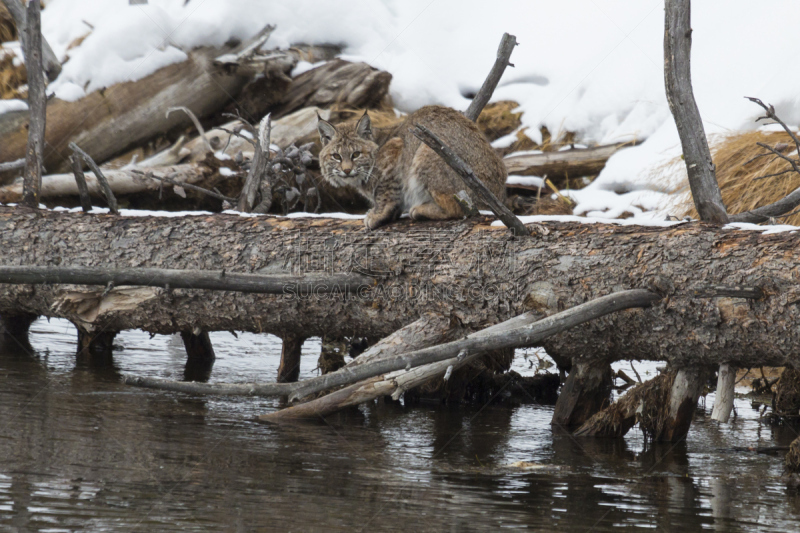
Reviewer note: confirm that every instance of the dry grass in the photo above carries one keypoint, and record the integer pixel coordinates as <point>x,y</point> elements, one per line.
<point>11,78</point>
<point>497,119</point>
<point>8,31</point>
<point>737,173</point>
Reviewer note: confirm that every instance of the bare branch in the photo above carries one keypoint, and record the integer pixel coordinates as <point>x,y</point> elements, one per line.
<point>470,179</point>
<point>80,181</point>
<point>196,124</point>
<point>770,109</point>
<point>215,280</point>
<point>149,174</point>
<point>763,214</point>
<point>507,44</point>
<point>12,165</point>
<point>111,200</point>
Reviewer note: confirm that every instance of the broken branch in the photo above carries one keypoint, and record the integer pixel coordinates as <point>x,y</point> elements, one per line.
<point>507,44</point>
<point>470,179</point>
<point>107,192</point>
<point>217,280</point>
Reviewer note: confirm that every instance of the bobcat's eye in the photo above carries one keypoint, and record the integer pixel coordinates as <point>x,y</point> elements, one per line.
<point>337,157</point>
<point>356,154</point>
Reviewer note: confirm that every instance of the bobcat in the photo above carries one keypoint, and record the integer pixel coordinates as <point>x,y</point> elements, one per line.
<point>398,173</point>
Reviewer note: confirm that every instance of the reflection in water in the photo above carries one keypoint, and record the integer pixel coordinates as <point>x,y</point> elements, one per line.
<point>79,452</point>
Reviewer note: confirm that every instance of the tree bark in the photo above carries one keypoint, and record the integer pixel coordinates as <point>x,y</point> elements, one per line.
<point>463,270</point>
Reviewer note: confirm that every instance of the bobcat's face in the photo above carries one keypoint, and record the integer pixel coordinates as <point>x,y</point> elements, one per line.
<point>348,153</point>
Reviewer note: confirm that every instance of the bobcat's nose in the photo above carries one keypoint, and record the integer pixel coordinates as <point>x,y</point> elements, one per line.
<point>347,168</point>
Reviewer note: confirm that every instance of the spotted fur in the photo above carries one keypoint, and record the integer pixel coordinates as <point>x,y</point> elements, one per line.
<point>403,175</point>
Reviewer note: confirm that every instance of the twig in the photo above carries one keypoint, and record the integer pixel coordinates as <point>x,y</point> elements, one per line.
<point>258,168</point>
<point>791,161</point>
<point>476,186</point>
<point>237,134</point>
<point>635,372</point>
<point>49,60</point>
<point>101,178</point>
<point>12,165</point>
<point>37,103</point>
<point>249,127</point>
<point>507,44</point>
<point>781,173</point>
<point>763,214</point>
<point>196,124</point>
<point>770,109</point>
<point>218,196</point>
<point>80,181</point>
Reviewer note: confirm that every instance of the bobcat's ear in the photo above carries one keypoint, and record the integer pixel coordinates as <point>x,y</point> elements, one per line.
<point>326,130</point>
<point>364,127</point>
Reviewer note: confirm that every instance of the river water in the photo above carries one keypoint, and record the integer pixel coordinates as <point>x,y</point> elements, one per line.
<point>80,452</point>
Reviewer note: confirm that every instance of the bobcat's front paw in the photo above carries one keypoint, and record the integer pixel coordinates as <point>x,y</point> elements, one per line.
<point>372,220</point>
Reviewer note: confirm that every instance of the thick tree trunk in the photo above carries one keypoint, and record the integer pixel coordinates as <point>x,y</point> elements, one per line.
<point>465,270</point>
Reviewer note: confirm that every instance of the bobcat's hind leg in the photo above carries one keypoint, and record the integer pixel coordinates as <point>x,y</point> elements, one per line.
<point>382,214</point>
<point>443,207</point>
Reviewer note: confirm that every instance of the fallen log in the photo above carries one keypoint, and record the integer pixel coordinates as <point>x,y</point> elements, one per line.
<point>428,363</point>
<point>566,163</point>
<point>517,332</point>
<point>464,270</point>
<point>122,181</point>
<point>338,81</point>
<point>109,122</point>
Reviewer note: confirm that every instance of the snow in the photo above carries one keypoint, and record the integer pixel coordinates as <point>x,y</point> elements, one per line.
<point>305,66</point>
<point>7,106</point>
<point>594,67</point>
<point>652,222</point>
<point>529,181</point>
<point>766,230</point>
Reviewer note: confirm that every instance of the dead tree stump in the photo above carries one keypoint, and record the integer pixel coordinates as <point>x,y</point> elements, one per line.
<point>95,348</point>
<point>200,356</point>
<point>586,391</point>
<point>289,369</point>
